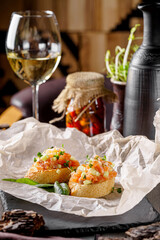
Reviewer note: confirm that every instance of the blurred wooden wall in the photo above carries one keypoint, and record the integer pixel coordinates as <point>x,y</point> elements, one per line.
<point>87,29</point>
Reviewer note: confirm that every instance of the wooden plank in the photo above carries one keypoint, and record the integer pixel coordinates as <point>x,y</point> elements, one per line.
<point>60,8</point>
<point>38,4</point>
<point>135,3</point>
<point>73,15</point>
<point>92,51</point>
<point>10,115</point>
<point>110,14</point>
<point>6,9</point>
<point>76,19</point>
<point>125,7</point>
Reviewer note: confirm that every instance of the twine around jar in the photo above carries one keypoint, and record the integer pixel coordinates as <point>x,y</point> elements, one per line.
<point>82,87</point>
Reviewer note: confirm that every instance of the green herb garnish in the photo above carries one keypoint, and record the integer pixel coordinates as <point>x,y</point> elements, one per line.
<point>119,190</point>
<point>57,156</point>
<point>66,164</point>
<point>71,168</point>
<point>90,165</point>
<point>104,158</point>
<point>61,152</point>
<point>35,159</point>
<point>62,145</point>
<point>88,158</point>
<point>39,154</point>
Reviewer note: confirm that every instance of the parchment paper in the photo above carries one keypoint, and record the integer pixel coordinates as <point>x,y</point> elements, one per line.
<point>136,158</point>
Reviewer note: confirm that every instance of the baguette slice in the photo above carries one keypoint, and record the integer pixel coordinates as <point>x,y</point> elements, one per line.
<point>54,164</point>
<point>49,176</point>
<point>94,179</point>
<point>94,190</point>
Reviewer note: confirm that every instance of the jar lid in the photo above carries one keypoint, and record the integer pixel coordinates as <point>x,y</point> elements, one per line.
<point>85,80</point>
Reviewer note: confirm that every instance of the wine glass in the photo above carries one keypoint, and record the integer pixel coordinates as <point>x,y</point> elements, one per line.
<point>33,48</point>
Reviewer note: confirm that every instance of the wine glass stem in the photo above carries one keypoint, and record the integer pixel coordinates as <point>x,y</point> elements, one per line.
<point>35,105</point>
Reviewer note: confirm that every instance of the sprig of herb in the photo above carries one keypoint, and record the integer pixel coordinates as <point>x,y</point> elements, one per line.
<point>119,190</point>
<point>56,156</point>
<point>90,165</point>
<point>39,154</point>
<point>61,152</point>
<point>66,164</point>
<point>87,159</point>
<point>118,69</point>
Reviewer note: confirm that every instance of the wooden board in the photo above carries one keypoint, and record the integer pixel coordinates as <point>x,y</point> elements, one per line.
<point>10,115</point>
<point>92,51</point>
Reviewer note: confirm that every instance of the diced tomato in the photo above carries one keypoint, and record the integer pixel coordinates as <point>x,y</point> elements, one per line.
<point>69,125</point>
<point>86,130</point>
<point>74,163</point>
<point>89,177</point>
<point>77,125</point>
<point>73,114</point>
<point>84,122</point>
<point>105,168</point>
<point>98,167</point>
<point>112,174</point>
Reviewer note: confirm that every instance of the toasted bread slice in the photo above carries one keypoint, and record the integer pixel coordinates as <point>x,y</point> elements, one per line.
<point>54,164</point>
<point>49,176</point>
<point>94,190</point>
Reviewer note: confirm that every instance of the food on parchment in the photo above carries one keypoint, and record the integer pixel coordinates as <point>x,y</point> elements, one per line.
<point>21,222</point>
<point>94,179</point>
<point>54,164</point>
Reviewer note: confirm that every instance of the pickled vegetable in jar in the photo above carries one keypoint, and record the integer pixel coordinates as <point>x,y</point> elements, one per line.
<point>92,121</point>
<point>82,101</point>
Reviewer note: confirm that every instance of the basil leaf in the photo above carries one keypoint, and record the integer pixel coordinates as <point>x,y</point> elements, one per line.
<point>21,180</point>
<point>45,185</point>
<point>49,189</point>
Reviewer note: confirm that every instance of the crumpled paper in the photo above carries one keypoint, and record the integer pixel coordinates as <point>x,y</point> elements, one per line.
<point>136,159</point>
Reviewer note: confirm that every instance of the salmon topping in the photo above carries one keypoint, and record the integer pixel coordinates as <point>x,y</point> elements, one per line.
<point>54,158</point>
<point>95,170</point>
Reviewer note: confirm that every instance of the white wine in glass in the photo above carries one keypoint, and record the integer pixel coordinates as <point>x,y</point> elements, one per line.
<point>33,48</point>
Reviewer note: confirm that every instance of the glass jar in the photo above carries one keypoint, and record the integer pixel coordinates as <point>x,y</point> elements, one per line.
<point>82,102</point>
<point>93,119</point>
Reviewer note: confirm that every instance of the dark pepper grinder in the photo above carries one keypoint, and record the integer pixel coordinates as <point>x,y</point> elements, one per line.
<point>143,83</point>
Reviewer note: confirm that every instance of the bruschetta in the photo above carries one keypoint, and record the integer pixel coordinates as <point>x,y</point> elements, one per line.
<point>94,179</point>
<point>54,164</point>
